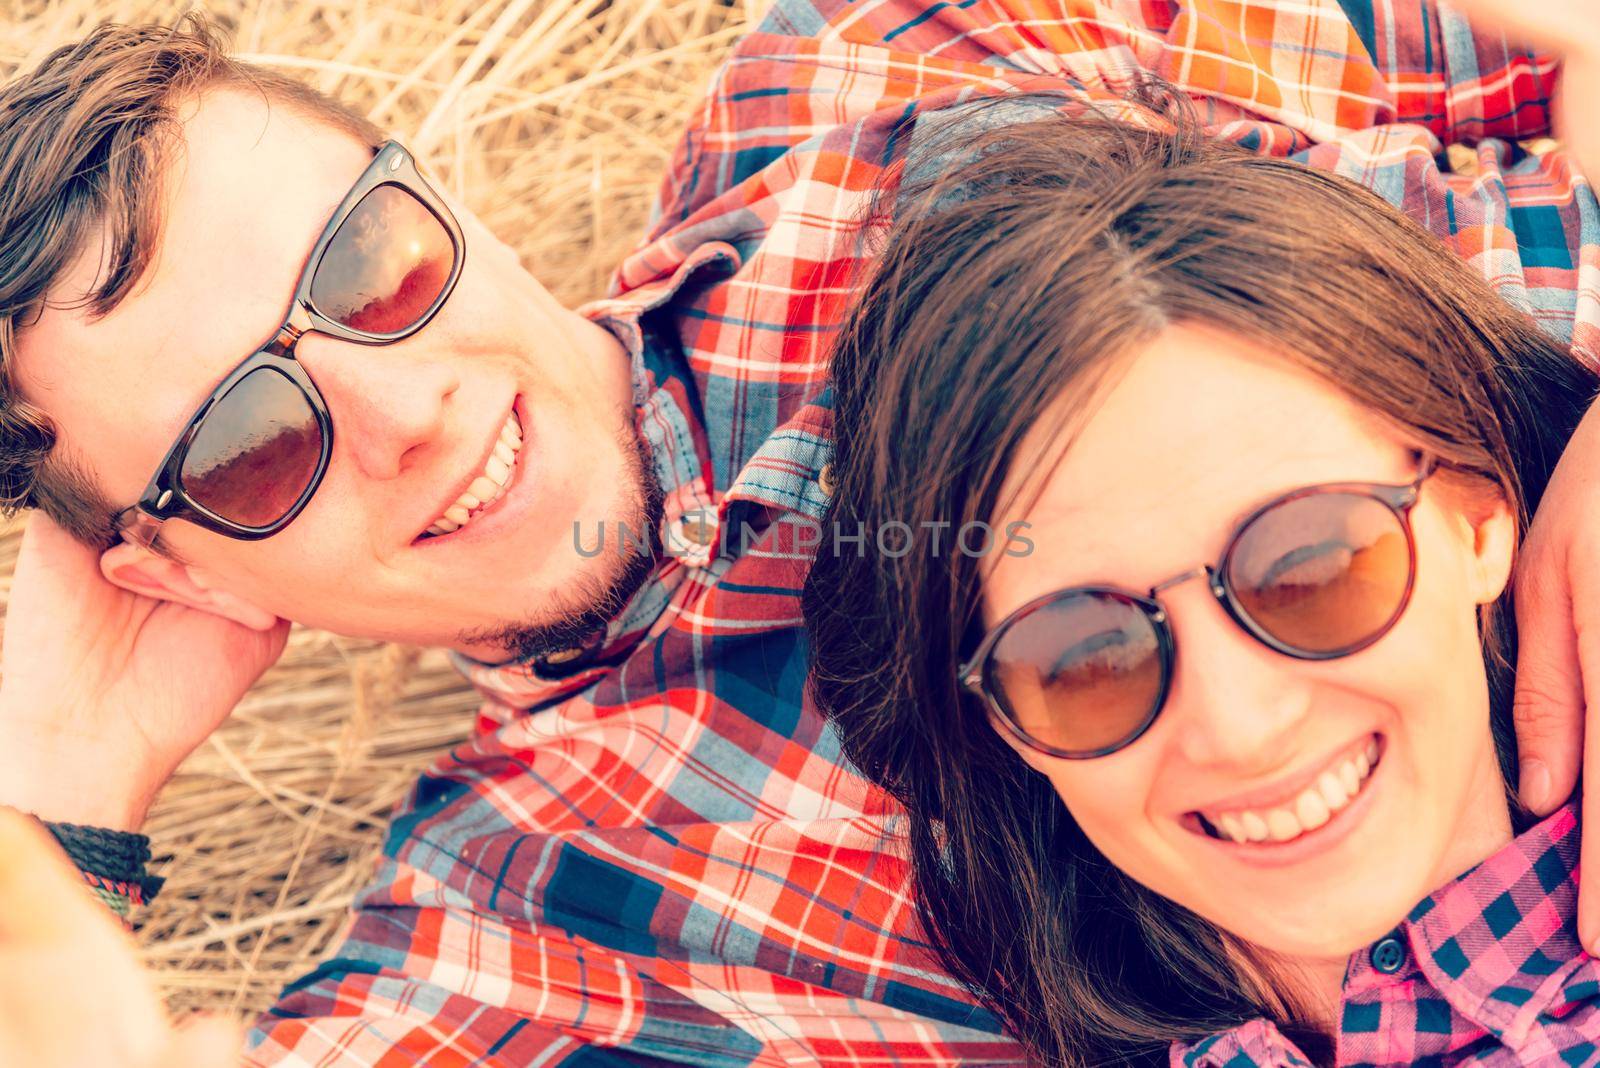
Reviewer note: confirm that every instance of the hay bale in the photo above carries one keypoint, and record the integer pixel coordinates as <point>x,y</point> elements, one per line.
<point>552,120</point>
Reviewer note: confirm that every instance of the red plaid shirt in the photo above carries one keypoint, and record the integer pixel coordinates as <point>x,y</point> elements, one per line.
<point>1487,969</point>
<point>653,848</point>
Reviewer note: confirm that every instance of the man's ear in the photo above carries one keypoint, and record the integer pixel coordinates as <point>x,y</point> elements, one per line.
<point>138,570</point>
<point>1494,543</point>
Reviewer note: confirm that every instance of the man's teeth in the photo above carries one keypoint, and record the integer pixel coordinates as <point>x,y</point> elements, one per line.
<point>488,485</point>
<point>1315,805</point>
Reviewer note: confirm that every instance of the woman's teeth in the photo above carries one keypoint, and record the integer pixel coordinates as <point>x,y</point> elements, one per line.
<point>489,484</point>
<point>1315,805</point>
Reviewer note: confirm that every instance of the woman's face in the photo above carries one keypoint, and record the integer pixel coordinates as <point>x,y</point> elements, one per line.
<point>1202,427</point>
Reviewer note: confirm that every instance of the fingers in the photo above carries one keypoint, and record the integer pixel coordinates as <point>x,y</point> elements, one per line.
<point>43,901</point>
<point>64,959</point>
<point>53,560</point>
<point>1548,24</point>
<point>1548,706</point>
<point>1586,624</point>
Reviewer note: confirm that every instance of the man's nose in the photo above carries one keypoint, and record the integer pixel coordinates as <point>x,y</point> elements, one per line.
<point>1237,702</point>
<point>386,401</point>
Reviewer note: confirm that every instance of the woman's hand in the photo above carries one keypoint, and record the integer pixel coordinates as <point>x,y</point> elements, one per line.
<point>104,692</point>
<point>72,991</point>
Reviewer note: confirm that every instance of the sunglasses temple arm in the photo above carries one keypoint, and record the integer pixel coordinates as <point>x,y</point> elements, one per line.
<point>138,527</point>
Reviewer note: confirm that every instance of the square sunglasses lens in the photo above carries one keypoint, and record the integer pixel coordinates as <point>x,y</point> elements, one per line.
<point>256,451</point>
<point>386,265</point>
<point>1079,673</point>
<point>1324,572</point>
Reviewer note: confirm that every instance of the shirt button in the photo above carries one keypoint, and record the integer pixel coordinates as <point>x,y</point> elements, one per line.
<point>697,529</point>
<point>1389,955</point>
<point>826,481</point>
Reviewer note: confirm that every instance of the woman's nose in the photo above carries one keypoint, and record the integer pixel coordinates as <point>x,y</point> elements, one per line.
<point>385,400</point>
<point>1236,702</point>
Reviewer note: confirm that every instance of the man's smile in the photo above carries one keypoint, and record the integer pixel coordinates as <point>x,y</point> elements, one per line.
<point>488,481</point>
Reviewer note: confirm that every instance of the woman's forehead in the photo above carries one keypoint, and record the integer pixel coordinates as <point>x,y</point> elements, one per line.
<point>1197,428</point>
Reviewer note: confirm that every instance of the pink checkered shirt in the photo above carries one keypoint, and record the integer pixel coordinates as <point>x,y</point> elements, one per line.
<point>1486,970</point>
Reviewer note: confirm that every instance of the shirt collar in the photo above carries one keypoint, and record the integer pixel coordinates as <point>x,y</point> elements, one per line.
<point>1490,942</point>
<point>668,418</point>
<point>1256,1042</point>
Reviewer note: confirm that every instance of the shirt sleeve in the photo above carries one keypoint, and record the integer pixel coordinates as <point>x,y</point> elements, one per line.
<point>1527,221</point>
<point>543,901</point>
<point>1463,81</point>
<point>1286,75</point>
<point>443,985</point>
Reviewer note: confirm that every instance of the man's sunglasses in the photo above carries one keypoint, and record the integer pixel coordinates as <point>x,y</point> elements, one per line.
<point>1318,573</point>
<point>255,451</point>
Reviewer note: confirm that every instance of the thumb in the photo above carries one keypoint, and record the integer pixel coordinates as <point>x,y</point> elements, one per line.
<point>1548,703</point>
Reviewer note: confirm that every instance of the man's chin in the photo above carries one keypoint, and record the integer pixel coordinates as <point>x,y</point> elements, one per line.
<point>584,610</point>
<point>576,614</point>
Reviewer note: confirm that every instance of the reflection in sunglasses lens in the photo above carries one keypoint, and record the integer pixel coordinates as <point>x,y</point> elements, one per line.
<point>1323,572</point>
<point>386,266</point>
<point>1079,673</point>
<point>256,450</point>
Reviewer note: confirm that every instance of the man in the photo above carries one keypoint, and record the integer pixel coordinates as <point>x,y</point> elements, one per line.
<point>666,858</point>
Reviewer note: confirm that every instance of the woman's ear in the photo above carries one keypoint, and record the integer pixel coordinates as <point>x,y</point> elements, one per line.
<point>1493,545</point>
<point>140,571</point>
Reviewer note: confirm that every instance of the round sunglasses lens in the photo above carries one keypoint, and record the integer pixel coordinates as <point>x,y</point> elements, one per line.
<point>1081,673</point>
<point>1323,573</point>
<point>386,266</point>
<point>255,452</point>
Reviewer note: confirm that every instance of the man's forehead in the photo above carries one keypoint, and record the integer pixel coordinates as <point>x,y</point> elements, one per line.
<point>248,191</point>
<point>244,199</point>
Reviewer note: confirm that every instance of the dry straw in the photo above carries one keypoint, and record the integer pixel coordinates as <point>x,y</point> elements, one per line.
<point>553,120</point>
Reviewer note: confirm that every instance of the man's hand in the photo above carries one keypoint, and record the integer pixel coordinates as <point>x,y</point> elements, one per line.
<point>72,991</point>
<point>1558,570</point>
<point>1558,663</point>
<point>104,692</point>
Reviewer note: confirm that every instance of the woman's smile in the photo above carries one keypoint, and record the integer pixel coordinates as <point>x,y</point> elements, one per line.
<point>1300,816</point>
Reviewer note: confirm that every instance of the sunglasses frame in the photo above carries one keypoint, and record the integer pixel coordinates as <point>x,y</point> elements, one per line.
<point>164,496</point>
<point>1399,499</point>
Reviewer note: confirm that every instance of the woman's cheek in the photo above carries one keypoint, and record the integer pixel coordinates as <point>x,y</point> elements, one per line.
<point>1111,800</point>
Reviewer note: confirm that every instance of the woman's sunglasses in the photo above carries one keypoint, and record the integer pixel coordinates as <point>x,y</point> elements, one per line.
<point>1318,573</point>
<point>255,451</point>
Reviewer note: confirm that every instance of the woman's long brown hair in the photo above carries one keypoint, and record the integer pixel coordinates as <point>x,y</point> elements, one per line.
<point>1018,264</point>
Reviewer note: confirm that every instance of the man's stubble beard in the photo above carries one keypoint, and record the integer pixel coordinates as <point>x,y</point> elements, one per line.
<point>588,601</point>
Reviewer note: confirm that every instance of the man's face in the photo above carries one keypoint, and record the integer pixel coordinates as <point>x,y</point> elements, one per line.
<point>245,198</point>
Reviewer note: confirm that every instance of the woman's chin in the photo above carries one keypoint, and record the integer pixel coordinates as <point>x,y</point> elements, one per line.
<point>1328,898</point>
<point>1323,927</point>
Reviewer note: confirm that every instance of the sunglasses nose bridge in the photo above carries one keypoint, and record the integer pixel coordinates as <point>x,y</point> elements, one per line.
<point>297,324</point>
<point>1204,571</point>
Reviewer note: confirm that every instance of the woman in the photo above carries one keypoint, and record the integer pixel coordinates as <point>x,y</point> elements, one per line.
<point>1158,809</point>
